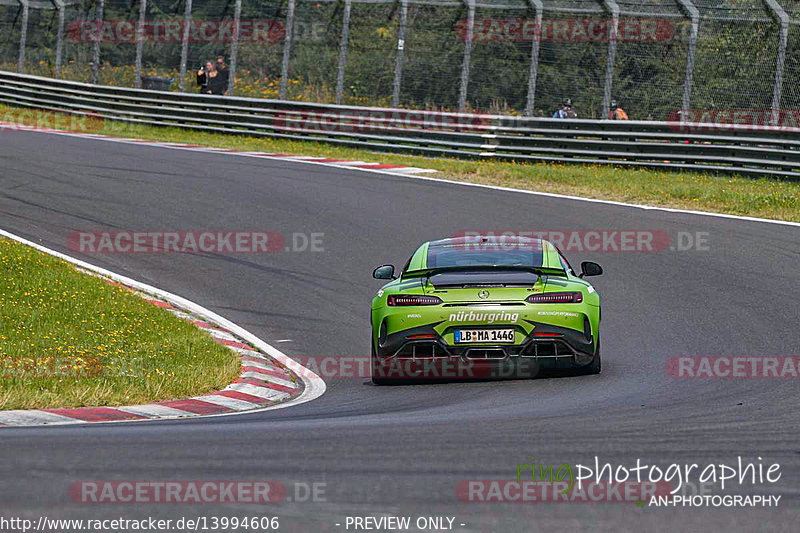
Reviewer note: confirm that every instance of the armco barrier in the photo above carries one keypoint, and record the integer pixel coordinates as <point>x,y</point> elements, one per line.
<point>729,149</point>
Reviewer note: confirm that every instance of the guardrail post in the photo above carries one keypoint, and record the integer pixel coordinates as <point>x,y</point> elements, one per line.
<point>59,35</point>
<point>140,37</point>
<point>398,59</point>
<point>613,9</point>
<point>287,48</point>
<point>780,63</point>
<point>534,66</point>
<point>187,23</point>
<point>462,96</point>
<point>23,35</point>
<point>97,37</point>
<point>237,29</point>
<point>343,50</point>
<point>694,15</point>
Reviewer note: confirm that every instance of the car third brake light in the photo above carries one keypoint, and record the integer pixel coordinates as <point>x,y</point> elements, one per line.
<point>394,300</point>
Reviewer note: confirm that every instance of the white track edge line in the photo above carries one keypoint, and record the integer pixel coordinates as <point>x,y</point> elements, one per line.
<point>314,385</point>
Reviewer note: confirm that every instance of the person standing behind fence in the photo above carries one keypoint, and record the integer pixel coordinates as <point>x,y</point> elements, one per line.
<point>565,111</point>
<point>210,80</point>
<point>616,112</point>
<point>224,73</point>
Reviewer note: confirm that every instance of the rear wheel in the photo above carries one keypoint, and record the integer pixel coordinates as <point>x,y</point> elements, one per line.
<point>595,366</point>
<point>373,364</point>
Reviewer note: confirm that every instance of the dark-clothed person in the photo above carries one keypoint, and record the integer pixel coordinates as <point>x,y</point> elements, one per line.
<point>224,73</point>
<point>210,80</point>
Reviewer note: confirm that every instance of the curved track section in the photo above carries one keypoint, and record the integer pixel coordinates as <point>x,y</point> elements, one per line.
<point>404,450</point>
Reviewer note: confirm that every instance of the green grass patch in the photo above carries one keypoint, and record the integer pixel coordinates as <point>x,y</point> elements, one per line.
<point>69,339</point>
<point>737,195</point>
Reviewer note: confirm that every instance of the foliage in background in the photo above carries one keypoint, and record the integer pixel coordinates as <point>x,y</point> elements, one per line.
<point>734,65</point>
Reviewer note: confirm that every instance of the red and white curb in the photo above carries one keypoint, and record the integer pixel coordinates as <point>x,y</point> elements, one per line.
<point>268,379</point>
<point>325,161</point>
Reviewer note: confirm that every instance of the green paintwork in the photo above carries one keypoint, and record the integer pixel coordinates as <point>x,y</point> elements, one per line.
<point>444,316</point>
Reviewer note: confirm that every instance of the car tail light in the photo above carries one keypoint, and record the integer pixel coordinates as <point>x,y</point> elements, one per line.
<point>555,298</point>
<point>396,300</point>
<point>547,334</point>
<point>422,336</point>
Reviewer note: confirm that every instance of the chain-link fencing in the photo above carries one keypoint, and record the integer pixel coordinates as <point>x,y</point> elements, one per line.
<point>657,59</point>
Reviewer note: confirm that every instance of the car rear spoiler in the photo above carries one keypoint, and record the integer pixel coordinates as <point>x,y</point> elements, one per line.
<point>428,272</point>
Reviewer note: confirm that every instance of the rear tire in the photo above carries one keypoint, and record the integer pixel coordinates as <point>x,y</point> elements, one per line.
<point>596,366</point>
<point>373,361</point>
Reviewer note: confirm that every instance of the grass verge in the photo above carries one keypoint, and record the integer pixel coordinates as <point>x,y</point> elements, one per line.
<point>69,339</point>
<point>737,195</point>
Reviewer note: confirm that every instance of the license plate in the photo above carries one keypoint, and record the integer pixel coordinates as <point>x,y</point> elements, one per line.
<point>464,336</point>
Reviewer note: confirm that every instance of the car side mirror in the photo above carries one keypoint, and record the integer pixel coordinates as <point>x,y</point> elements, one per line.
<point>384,272</point>
<point>590,268</point>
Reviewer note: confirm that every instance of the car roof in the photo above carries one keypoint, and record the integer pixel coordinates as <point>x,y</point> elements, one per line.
<point>549,254</point>
<point>487,239</point>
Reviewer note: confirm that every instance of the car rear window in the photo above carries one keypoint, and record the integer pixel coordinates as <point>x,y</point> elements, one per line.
<point>484,254</point>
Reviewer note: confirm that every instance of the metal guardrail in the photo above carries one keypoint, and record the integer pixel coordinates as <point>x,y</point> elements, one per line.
<point>731,149</point>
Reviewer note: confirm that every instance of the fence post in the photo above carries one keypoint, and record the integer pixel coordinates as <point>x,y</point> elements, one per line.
<point>23,35</point>
<point>187,22</point>
<point>613,9</point>
<point>694,15</point>
<point>343,50</point>
<point>100,4</point>
<point>534,66</point>
<point>140,37</point>
<point>237,29</point>
<point>59,35</point>
<point>462,96</point>
<point>401,45</point>
<point>783,19</point>
<point>287,48</point>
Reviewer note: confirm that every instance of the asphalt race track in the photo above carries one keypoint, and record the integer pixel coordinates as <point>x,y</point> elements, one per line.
<point>403,450</point>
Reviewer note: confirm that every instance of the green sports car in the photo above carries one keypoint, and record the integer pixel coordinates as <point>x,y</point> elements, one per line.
<point>483,307</point>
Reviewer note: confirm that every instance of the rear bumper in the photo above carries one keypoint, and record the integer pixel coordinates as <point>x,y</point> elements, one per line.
<point>547,347</point>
